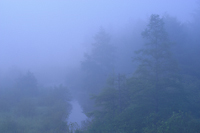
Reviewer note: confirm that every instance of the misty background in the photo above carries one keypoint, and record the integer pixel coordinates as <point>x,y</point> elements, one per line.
<point>71,59</point>
<point>49,38</point>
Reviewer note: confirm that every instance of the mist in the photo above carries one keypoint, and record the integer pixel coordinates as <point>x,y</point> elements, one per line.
<point>39,35</point>
<point>85,56</point>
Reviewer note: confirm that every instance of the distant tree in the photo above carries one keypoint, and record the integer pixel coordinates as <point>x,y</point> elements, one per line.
<point>96,68</point>
<point>192,50</point>
<point>24,110</point>
<point>99,64</point>
<point>185,37</point>
<point>185,40</point>
<point>27,85</point>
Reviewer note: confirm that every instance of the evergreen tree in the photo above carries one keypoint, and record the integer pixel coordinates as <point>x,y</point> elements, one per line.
<point>150,96</point>
<point>98,65</point>
<point>155,59</point>
<point>96,68</point>
<point>26,85</point>
<point>156,66</point>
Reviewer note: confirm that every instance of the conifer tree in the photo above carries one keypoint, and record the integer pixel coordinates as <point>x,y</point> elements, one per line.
<point>96,68</point>
<point>157,67</point>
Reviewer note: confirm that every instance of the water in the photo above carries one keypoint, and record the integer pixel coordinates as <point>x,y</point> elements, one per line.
<point>77,114</point>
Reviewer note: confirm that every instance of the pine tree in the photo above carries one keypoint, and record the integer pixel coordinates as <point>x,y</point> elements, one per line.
<point>157,67</point>
<point>96,68</point>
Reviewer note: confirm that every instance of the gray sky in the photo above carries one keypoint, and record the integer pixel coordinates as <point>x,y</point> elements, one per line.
<point>38,34</point>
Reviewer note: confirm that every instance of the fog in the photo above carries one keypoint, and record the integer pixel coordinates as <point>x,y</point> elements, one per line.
<point>51,35</point>
<point>78,57</point>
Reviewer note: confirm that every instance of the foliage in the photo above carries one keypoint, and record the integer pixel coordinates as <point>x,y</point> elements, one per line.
<point>156,99</point>
<point>177,122</point>
<point>27,85</point>
<point>96,68</point>
<point>161,96</point>
<point>45,112</point>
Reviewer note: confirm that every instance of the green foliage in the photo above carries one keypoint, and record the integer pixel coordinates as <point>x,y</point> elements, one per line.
<point>74,128</point>
<point>155,59</point>
<point>27,85</point>
<point>177,122</point>
<point>155,99</point>
<point>45,112</point>
<point>99,63</point>
<point>157,70</point>
<point>96,68</point>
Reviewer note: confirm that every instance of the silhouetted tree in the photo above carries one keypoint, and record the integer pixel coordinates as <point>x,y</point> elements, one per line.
<point>96,68</point>
<point>150,96</point>
<point>157,67</point>
<point>27,85</point>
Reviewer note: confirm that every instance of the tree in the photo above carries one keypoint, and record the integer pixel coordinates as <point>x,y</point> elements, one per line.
<point>155,59</point>
<point>151,96</point>
<point>192,50</point>
<point>27,108</point>
<point>178,34</point>
<point>99,64</point>
<point>156,64</point>
<point>96,68</point>
<point>27,85</point>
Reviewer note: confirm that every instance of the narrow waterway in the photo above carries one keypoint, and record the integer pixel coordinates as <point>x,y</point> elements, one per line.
<point>77,114</point>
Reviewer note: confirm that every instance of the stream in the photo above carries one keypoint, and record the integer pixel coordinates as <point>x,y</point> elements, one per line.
<point>77,114</point>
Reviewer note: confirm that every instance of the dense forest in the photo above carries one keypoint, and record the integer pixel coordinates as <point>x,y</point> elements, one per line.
<point>158,93</point>
<point>28,108</point>
<point>144,80</point>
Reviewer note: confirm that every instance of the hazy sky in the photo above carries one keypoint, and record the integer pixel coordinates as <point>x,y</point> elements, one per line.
<point>53,33</point>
